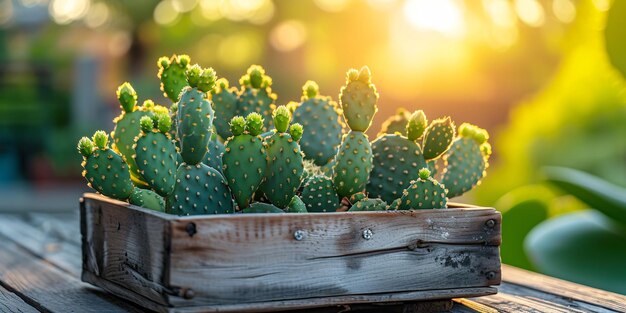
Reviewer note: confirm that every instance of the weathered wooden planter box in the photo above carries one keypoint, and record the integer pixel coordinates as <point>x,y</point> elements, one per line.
<point>268,262</point>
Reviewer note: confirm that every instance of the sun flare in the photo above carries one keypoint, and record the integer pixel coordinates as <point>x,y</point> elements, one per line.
<point>443,16</point>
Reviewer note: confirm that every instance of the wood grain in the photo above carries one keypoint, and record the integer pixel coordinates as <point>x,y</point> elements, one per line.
<point>47,288</point>
<point>11,303</point>
<point>126,247</point>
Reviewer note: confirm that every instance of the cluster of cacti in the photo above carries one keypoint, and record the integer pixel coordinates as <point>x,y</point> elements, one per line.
<point>219,149</point>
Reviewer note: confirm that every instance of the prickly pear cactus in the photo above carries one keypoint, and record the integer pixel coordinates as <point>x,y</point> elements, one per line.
<point>397,160</point>
<point>321,117</point>
<point>438,138</point>
<point>256,95</point>
<point>147,199</point>
<point>155,153</point>
<point>319,194</point>
<point>172,73</point>
<point>467,160</point>
<point>213,156</point>
<point>394,205</point>
<point>296,205</point>
<point>199,190</point>
<point>424,193</point>
<point>259,207</point>
<point>353,164</point>
<point>369,204</point>
<point>104,169</point>
<point>195,115</point>
<point>225,106</point>
<point>285,167</point>
<point>395,123</point>
<point>358,99</point>
<point>244,158</point>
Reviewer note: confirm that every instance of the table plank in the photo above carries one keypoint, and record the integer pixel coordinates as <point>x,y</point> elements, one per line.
<point>11,303</point>
<point>49,289</point>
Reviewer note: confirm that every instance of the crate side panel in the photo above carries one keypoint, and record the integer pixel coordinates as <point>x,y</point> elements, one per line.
<point>257,258</point>
<point>125,246</point>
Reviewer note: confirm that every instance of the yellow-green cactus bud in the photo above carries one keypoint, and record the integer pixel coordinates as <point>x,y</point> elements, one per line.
<point>159,109</point>
<point>164,122</point>
<point>417,125</point>
<point>127,97</point>
<point>424,173</point>
<point>203,79</point>
<point>220,85</point>
<point>282,117</point>
<point>146,123</point>
<point>254,123</point>
<point>292,106</point>
<point>310,90</point>
<point>255,77</point>
<point>237,125</point>
<point>148,105</point>
<point>100,139</point>
<point>85,146</point>
<point>485,148</point>
<point>296,131</point>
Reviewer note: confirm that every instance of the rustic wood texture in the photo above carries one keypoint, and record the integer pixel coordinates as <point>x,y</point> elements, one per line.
<point>527,291</point>
<point>12,303</point>
<point>126,246</point>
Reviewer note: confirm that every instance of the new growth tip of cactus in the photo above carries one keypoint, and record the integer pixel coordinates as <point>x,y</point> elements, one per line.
<point>282,117</point>
<point>296,131</point>
<point>254,124</point>
<point>416,125</point>
<point>85,146</point>
<point>173,75</point>
<point>237,125</point>
<point>101,139</point>
<point>203,79</point>
<point>127,97</point>
<point>310,90</point>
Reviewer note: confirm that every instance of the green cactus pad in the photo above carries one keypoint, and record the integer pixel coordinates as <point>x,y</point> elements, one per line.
<point>296,206</point>
<point>319,194</point>
<point>199,190</point>
<point>155,156</point>
<point>353,164</point>
<point>215,150</point>
<point>256,95</point>
<point>358,99</point>
<point>396,162</point>
<point>127,97</point>
<point>85,146</point>
<point>285,167</point>
<point>424,193</point>
<point>202,79</point>
<point>225,105</point>
<point>416,125</point>
<point>438,138</point>
<point>281,117</point>
<point>394,205</point>
<point>259,207</point>
<point>173,75</point>
<point>296,130</point>
<point>466,162</point>
<point>244,164</point>
<point>396,123</point>
<point>194,124</point>
<point>147,199</point>
<point>321,118</point>
<point>369,204</point>
<point>106,172</point>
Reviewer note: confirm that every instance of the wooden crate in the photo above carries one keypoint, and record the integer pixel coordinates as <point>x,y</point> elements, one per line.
<point>267,262</point>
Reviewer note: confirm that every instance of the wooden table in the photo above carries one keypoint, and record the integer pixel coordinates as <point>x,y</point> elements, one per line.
<point>40,267</point>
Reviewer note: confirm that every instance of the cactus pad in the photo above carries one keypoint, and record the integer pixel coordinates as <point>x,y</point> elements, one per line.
<point>256,95</point>
<point>438,138</point>
<point>358,99</point>
<point>319,194</point>
<point>424,193</point>
<point>259,207</point>
<point>369,204</point>
<point>296,205</point>
<point>225,106</point>
<point>155,154</point>
<point>213,156</point>
<point>194,124</point>
<point>147,199</point>
<point>353,164</point>
<point>173,75</point>
<point>395,123</point>
<point>199,190</point>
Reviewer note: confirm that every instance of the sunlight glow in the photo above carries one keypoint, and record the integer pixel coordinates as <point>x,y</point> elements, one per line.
<point>332,6</point>
<point>288,35</point>
<point>184,5</point>
<point>165,13</point>
<point>564,10</point>
<point>67,11</point>
<point>6,11</point>
<point>443,16</point>
<point>530,12</point>
<point>98,15</point>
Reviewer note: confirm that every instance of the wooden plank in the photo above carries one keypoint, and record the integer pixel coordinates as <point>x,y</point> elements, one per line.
<point>11,303</point>
<point>126,247</point>
<point>45,241</point>
<point>564,288</point>
<point>49,289</point>
<point>257,258</point>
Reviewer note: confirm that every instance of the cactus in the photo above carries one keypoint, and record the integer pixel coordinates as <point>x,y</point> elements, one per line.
<point>155,153</point>
<point>321,117</point>
<point>438,138</point>
<point>424,193</point>
<point>225,106</point>
<point>147,199</point>
<point>296,205</point>
<point>256,95</point>
<point>358,99</point>
<point>244,158</point>
<point>369,204</point>
<point>259,207</point>
<point>397,159</point>
<point>395,123</point>
<point>215,150</point>
<point>310,170</point>
<point>195,115</point>
<point>199,190</point>
<point>394,205</point>
<point>466,161</point>
<point>319,194</point>
<point>173,75</point>
<point>283,175</point>
<point>104,169</point>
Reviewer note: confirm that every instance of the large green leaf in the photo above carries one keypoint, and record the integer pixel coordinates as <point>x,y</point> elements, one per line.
<point>614,33</point>
<point>517,221</point>
<point>595,192</point>
<point>584,247</point>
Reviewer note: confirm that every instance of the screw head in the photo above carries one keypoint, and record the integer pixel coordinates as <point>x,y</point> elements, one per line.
<point>189,294</point>
<point>191,229</point>
<point>298,234</point>
<point>491,275</point>
<point>490,223</point>
<point>367,234</point>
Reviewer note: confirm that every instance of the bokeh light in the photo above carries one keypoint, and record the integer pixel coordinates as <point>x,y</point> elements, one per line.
<point>288,35</point>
